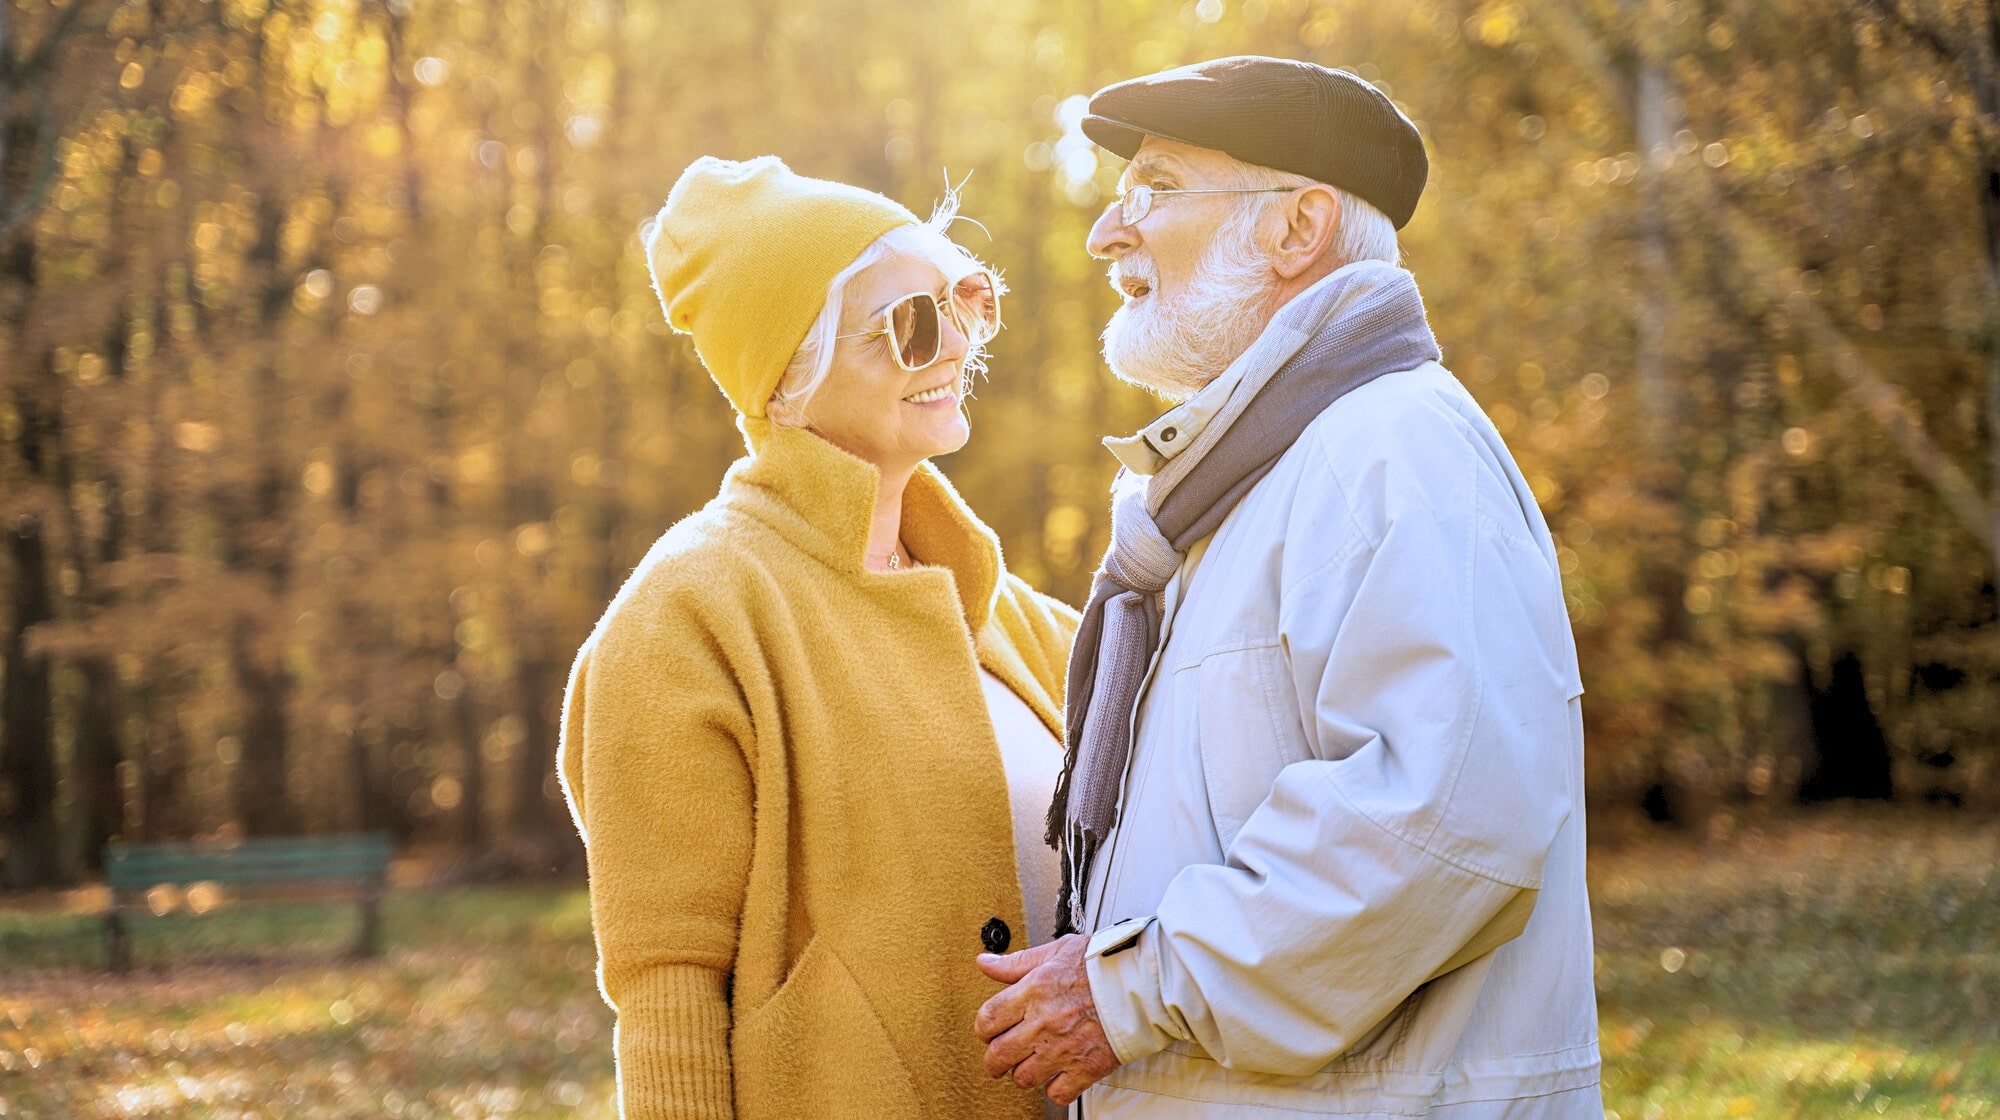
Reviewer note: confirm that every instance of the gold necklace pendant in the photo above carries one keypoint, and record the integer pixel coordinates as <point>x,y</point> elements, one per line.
<point>895,562</point>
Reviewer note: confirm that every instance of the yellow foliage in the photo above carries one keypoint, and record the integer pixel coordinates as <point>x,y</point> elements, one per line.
<point>400,246</point>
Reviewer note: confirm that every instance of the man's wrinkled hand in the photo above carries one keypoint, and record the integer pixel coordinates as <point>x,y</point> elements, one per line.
<point>1043,1028</point>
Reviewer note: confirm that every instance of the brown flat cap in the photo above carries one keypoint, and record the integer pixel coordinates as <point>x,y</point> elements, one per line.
<point>1274,112</point>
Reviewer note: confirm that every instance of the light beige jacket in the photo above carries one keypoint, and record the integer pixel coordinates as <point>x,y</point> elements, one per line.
<point>1357,768</point>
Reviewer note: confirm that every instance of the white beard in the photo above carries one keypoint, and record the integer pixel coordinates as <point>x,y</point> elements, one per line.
<point>1176,346</point>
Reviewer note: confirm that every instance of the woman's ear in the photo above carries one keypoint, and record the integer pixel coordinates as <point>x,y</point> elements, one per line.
<point>785,413</point>
<point>1311,221</point>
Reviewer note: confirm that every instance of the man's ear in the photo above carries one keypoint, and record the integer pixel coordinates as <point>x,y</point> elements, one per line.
<point>1311,221</point>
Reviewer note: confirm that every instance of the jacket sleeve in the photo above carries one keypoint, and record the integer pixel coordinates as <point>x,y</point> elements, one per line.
<point>653,764</point>
<point>1412,838</point>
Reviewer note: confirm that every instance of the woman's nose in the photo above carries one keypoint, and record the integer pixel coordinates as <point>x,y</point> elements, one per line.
<point>952,343</point>
<point>1110,237</point>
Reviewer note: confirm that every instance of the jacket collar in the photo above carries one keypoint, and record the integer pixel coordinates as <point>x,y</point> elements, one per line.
<point>821,499</point>
<point>1157,443</point>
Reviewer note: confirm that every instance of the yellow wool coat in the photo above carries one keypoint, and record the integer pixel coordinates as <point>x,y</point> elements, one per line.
<point>793,802</point>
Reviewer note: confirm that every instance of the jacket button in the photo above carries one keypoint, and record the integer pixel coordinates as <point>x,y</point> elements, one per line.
<point>995,935</point>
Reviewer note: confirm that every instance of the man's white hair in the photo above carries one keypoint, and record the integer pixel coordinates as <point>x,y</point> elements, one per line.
<point>813,360</point>
<point>1365,234</point>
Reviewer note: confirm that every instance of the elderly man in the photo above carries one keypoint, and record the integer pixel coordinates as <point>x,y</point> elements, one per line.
<point>1322,817</point>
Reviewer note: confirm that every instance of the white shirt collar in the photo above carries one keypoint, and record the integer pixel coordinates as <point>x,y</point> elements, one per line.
<point>1157,443</point>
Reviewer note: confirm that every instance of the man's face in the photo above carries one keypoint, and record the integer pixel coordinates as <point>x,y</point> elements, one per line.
<point>1167,244</point>
<point>1196,289</point>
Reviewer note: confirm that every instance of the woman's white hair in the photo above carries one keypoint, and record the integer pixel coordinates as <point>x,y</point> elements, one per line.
<point>813,360</point>
<point>1365,234</point>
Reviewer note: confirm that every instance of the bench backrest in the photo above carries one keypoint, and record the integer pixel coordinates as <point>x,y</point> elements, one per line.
<point>287,859</point>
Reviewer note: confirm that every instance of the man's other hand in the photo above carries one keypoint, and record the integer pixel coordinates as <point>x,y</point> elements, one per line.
<point>1043,1027</point>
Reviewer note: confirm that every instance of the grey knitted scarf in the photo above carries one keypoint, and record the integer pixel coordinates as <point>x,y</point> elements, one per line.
<point>1361,322</point>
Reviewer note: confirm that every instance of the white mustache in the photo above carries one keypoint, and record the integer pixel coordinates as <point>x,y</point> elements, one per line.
<point>1133,266</point>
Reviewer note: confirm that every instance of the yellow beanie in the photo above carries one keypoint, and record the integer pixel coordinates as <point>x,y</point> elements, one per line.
<point>742,255</point>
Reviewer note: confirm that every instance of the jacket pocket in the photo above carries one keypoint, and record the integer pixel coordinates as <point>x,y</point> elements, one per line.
<point>1248,731</point>
<point>816,1047</point>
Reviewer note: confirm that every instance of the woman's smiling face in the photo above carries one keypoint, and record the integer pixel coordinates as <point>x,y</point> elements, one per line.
<point>874,409</point>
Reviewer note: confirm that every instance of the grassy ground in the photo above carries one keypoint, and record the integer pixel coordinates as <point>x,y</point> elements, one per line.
<point>1843,966</point>
<point>483,1006</point>
<point>1839,966</point>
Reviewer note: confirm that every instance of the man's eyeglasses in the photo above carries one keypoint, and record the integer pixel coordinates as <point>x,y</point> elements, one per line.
<point>1137,202</point>
<point>914,323</point>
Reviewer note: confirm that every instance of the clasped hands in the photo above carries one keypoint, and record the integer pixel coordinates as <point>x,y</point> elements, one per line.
<point>1043,1028</point>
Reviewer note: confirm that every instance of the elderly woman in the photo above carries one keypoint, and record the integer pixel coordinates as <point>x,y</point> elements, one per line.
<point>811,744</point>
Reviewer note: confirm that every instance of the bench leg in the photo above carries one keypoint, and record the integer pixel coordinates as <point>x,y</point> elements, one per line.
<point>369,944</point>
<point>117,940</point>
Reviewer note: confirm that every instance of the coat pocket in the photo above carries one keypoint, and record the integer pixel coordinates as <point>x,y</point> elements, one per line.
<point>1248,730</point>
<point>816,1047</point>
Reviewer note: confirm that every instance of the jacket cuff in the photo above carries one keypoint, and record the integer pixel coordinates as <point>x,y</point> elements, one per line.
<point>673,1044</point>
<point>1123,964</point>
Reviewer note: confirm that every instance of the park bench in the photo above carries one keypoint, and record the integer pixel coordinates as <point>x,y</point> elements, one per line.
<point>130,870</point>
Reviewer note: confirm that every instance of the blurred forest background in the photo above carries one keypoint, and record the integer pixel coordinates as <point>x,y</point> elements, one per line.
<point>335,404</point>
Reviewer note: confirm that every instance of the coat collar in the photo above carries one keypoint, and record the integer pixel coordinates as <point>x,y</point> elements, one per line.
<point>821,499</point>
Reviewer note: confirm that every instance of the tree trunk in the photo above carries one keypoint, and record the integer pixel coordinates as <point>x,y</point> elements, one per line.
<point>396,815</point>
<point>30,852</point>
<point>258,547</point>
<point>541,818</point>
<point>100,754</point>
<point>534,816</point>
<point>1650,120</point>
<point>1674,796</point>
<point>1850,754</point>
<point>263,792</point>
<point>361,776</point>
<point>1984,66</point>
<point>166,804</point>
<point>472,833</point>
<point>100,781</point>
<point>32,857</point>
<point>606,508</point>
